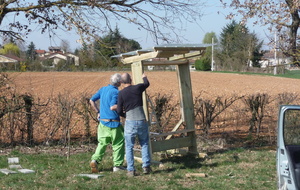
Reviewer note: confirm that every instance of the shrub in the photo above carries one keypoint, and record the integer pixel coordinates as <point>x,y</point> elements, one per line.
<point>203,64</point>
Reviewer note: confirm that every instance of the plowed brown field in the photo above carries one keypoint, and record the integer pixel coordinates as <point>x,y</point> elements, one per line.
<point>47,84</point>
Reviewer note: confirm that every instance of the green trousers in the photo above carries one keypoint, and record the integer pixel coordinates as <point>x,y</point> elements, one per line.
<point>115,136</point>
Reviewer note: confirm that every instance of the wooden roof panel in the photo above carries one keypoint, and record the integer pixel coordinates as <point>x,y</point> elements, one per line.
<point>163,51</point>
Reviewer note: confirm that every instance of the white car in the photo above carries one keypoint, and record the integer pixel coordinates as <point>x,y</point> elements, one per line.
<point>288,147</point>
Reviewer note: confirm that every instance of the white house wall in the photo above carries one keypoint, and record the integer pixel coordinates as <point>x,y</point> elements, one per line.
<point>76,58</point>
<point>273,62</point>
<point>57,57</point>
<point>4,59</point>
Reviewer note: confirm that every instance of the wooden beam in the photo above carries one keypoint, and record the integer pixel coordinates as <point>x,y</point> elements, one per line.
<point>175,128</point>
<point>178,48</point>
<point>186,99</point>
<point>137,71</point>
<point>146,63</point>
<point>141,57</point>
<point>140,160</point>
<point>158,146</point>
<point>172,133</point>
<point>167,54</point>
<point>186,56</point>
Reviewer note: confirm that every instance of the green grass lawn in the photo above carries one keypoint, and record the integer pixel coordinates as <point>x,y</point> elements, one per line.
<point>232,169</point>
<point>287,73</point>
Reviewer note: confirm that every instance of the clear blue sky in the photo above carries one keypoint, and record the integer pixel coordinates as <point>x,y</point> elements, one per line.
<point>213,20</point>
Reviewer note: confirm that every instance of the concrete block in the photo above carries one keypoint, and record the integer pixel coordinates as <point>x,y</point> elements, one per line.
<point>92,176</point>
<point>13,160</point>
<point>7,171</point>
<point>26,171</point>
<point>15,167</point>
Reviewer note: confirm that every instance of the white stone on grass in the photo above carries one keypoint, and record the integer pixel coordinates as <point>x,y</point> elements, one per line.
<point>14,160</point>
<point>15,167</point>
<point>92,176</point>
<point>7,171</point>
<point>26,171</point>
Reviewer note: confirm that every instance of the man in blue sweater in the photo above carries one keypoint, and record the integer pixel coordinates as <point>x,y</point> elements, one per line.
<point>130,105</point>
<point>110,130</point>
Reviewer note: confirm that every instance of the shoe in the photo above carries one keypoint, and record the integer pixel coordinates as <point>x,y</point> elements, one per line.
<point>118,168</point>
<point>94,166</point>
<point>131,173</point>
<point>147,170</point>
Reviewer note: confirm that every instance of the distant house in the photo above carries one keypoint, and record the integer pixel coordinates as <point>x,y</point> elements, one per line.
<point>57,57</point>
<point>55,54</point>
<point>269,59</point>
<point>41,53</point>
<point>10,61</point>
<point>55,49</point>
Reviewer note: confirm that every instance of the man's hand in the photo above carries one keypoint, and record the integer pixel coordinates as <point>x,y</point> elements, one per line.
<point>114,107</point>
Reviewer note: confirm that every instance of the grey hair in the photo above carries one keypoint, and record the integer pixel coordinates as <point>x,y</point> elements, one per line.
<point>115,79</point>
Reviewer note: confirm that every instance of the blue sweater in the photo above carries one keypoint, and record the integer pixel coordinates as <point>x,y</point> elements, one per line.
<point>108,96</point>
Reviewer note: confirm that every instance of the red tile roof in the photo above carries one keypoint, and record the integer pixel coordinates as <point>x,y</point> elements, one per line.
<point>40,51</point>
<point>14,57</point>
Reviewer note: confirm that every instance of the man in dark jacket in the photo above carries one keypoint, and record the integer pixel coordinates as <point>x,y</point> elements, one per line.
<point>130,105</point>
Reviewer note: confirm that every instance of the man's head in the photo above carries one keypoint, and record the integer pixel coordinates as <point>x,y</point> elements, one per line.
<point>115,80</point>
<point>126,78</point>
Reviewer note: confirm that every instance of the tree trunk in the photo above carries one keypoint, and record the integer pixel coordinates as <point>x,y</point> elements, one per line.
<point>293,30</point>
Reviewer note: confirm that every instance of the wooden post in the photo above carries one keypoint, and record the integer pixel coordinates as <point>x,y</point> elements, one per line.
<point>186,102</point>
<point>137,71</point>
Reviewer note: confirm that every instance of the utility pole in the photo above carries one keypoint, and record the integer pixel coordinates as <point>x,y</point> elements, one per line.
<point>212,55</point>
<point>275,55</point>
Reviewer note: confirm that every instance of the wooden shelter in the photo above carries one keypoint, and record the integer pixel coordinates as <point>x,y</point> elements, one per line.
<point>178,55</point>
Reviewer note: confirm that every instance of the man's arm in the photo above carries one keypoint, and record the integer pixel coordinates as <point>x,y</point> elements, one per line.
<point>95,107</point>
<point>146,81</point>
<point>119,106</point>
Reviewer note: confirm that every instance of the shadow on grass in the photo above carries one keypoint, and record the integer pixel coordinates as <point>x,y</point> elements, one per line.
<point>187,161</point>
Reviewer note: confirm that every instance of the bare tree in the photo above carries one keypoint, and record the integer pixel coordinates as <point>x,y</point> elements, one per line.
<point>207,110</point>
<point>65,45</point>
<point>256,104</point>
<point>90,17</point>
<point>280,15</point>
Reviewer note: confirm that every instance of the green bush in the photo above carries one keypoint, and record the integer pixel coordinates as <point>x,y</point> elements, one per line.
<point>203,64</point>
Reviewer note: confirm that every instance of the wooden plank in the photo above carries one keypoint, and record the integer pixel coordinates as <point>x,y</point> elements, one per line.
<point>158,146</point>
<point>186,56</point>
<point>178,48</point>
<point>141,57</point>
<point>137,72</point>
<point>139,159</point>
<point>186,99</point>
<point>175,128</point>
<point>195,175</point>
<point>167,54</point>
<point>147,63</point>
<point>172,133</point>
